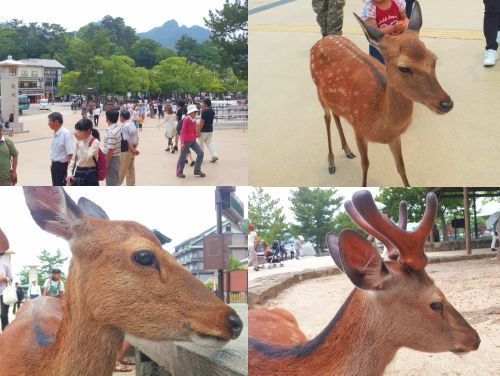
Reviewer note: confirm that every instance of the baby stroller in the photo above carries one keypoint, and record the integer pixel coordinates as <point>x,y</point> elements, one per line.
<point>274,255</point>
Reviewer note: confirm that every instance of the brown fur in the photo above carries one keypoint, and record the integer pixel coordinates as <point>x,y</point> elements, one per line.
<point>275,325</point>
<point>107,295</point>
<point>376,100</point>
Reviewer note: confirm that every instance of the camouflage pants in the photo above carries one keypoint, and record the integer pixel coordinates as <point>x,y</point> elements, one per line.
<point>330,15</point>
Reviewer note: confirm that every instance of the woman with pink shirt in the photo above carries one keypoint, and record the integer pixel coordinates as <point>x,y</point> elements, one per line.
<point>189,132</point>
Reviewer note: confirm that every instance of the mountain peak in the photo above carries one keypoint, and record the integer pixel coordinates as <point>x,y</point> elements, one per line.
<point>168,34</point>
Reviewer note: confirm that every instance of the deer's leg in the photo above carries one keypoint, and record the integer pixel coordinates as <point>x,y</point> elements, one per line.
<point>347,150</point>
<point>363,152</point>
<point>395,147</point>
<point>331,160</point>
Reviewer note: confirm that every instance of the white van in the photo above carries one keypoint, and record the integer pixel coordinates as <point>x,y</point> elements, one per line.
<point>44,104</point>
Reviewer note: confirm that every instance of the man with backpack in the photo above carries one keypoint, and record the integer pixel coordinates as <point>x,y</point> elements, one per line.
<point>8,161</point>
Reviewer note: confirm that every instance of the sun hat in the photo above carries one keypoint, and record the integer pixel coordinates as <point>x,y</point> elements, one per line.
<point>191,108</point>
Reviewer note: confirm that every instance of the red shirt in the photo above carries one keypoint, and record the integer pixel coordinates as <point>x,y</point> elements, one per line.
<point>188,130</point>
<point>387,17</point>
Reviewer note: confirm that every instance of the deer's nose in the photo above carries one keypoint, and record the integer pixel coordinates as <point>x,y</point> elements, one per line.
<point>446,106</point>
<point>235,323</point>
<point>478,341</point>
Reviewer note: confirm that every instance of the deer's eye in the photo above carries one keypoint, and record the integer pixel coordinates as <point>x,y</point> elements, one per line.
<point>437,306</point>
<point>404,69</point>
<point>145,258</point>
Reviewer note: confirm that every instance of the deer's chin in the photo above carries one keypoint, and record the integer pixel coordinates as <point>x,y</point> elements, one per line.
<point>208,340</point>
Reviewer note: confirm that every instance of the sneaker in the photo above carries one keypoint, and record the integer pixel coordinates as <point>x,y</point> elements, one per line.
<point>200,174</point>
<point>214,159</point>
<point>493,249</point>
<point>181,175</point>
<point>490,57</point>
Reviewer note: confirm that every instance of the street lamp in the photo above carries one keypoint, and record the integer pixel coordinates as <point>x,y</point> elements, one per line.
<point>98,72</point>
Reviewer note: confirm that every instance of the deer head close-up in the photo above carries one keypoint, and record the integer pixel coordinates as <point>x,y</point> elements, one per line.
<point>376,100</point>
<point>120,281</point>
<point>395,304</point>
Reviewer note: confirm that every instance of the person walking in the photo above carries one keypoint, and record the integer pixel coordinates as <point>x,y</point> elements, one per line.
<point>96,113</point>
<point>252,255</point>
<point>61,149</point>
<point>490,30</point>
<point>130,141</point>
<point>329,15</point>
<point>34,290</point>
<point>112,147</point>
<point>20,297</point>
<point>297,246</point>
<point>207,129</point>
<point>170,128</point>
<point>8,161</point>
<point>5,279</point>
<point>82,169</point>
<point>188,141</point>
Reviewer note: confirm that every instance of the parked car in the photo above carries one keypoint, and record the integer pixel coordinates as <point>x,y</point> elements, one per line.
<point>44,104</point>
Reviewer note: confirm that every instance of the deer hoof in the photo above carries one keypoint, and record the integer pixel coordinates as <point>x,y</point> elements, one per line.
<point>350,155</point>
<point>331,169</point>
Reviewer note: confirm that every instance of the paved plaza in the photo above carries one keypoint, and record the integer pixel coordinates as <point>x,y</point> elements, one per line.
<point>154,166</point>
<point>288,138</point>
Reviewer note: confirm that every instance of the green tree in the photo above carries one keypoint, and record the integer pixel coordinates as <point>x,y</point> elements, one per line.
<point>314,209</point>
<point>233,264</point>
<point>48,261</point>
<point>342,221</point>
<point>188,48</point>
<point>266,214</point>
<point>122,35</point>
<point>70,83</point>
<point>230,34</point>
<point>144,52</point>
<point>163,53</point>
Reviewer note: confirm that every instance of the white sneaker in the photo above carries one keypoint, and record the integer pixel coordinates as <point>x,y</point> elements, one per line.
<point>490,57</point>
<point>498,37</point>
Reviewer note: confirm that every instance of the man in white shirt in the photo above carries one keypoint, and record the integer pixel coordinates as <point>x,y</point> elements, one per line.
<point>130,141</point>
<point>54,286</point>
<point>5,279</point>
<point>61,149</point>
<point>34,290</point>
<point>96,113</point>
<point>112,147</point>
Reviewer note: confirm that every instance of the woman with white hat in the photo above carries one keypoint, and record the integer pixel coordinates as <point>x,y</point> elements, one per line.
<point>189,132</point>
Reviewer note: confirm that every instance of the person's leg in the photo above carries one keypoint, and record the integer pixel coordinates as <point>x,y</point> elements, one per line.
<point>199,157</point>
<point>210,145</point>
<point>182,159</point>
<point>376,54</point>
<point>124,163</point>
<point>131,170</point>
<point>320,7</point>
<point>202,139</point>
<point>335,17</point>
<point>58,172</point>
<point>113,172</point>
<point>490,24</point>
<point>4,313</point>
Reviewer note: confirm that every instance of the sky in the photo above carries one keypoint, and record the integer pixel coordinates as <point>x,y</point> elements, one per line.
<point>141,16</point>
<point>178,212</point>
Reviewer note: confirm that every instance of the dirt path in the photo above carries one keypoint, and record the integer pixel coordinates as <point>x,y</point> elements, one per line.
<point>473,287</point>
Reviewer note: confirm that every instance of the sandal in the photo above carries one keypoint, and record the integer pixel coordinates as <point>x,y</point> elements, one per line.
<point>128,361</point>
<point>122,368</point>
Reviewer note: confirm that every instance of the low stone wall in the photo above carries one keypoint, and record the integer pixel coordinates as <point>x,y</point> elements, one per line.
<point>456,245</point>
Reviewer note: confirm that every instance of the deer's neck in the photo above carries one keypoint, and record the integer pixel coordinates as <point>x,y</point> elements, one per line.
<point>397,107</point>
<point>83,345</point>
<point>353,343</point>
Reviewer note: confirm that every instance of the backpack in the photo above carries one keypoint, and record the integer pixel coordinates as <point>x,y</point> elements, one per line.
<point>100,163</point>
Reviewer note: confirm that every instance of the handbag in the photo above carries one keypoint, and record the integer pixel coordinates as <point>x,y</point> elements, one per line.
<point>9,295</point>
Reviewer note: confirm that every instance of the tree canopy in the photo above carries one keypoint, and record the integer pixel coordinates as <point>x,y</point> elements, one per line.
<point>266,214</point>
<point>48,260</point>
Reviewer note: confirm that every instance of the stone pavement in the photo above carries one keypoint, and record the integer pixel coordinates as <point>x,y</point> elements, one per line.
<point>267,283</point>
<point>154,166</point>
<point>287,120</point>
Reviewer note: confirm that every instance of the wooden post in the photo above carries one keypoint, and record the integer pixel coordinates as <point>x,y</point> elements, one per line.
<point>468,247</point>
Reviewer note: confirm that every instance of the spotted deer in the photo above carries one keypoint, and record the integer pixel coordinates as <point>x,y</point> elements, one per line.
<point>395,304</point>
<point>120,281</point>
<point>376,100</point>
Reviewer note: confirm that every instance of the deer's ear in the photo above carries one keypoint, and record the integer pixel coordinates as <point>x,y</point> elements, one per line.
<point>373,34</point>
<point>53,210</point>
<point>91,209</point>
<point>332,240</point>
<point>416,18</point>
<point>361,262</point>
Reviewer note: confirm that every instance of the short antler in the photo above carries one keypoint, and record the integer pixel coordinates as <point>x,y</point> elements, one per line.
<point>406,246</point>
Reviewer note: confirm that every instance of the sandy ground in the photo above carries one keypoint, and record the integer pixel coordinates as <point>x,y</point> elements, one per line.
<point>153,166</point>
<point>471,286</point>
<point>287,120</point>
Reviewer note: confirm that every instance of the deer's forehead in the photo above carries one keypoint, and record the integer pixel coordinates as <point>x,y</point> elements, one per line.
<point>120,232</point>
